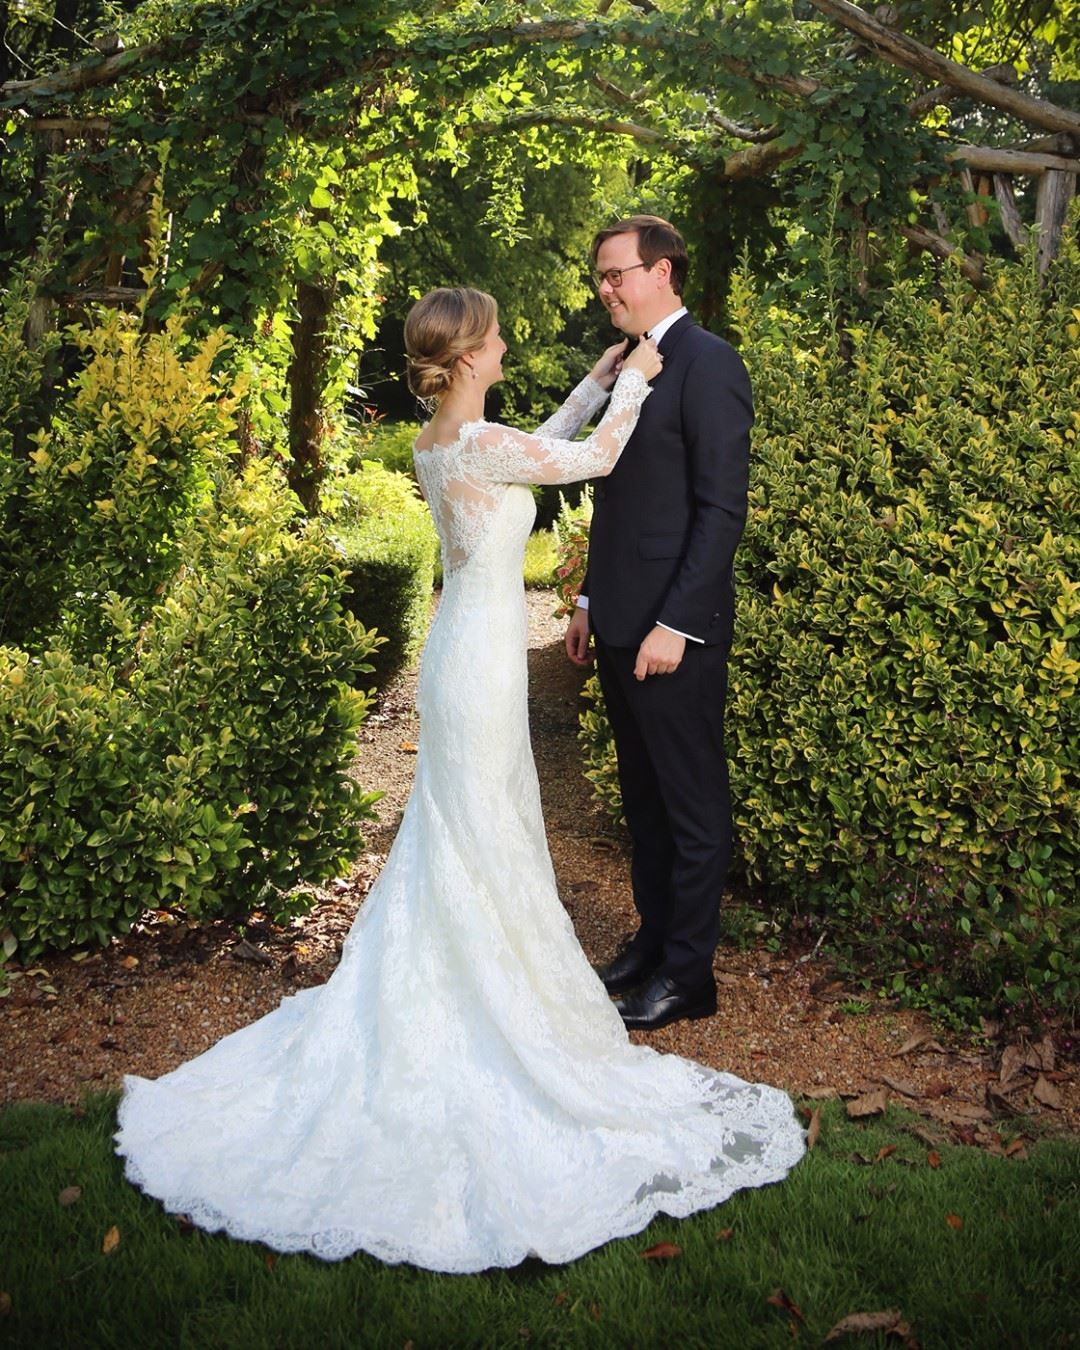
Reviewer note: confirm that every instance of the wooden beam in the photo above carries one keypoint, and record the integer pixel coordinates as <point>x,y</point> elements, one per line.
<point>993,160</point>
<point>941,248</point>
<point>70,126</point>
<point>905,51</point>
<point>944,94</point>
<point>1056,191</point>
<point>1010,215</point>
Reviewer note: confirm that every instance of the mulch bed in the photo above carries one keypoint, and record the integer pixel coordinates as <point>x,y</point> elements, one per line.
<point>171,989</point>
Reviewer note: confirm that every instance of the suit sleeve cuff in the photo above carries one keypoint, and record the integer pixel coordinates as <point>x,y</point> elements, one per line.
<point>688,636</point>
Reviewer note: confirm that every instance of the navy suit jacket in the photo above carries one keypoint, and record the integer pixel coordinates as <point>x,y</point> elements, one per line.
<point>668,518</point>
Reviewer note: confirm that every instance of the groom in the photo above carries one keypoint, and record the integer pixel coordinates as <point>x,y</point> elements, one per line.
<point>659,600</point>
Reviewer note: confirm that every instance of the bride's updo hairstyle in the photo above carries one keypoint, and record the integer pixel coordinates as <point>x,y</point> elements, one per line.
<point>440,328</point>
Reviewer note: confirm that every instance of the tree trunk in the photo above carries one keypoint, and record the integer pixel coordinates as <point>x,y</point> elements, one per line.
<point>307,374</point>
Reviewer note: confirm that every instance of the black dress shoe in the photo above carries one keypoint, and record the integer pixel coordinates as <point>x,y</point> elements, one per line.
<point>631,966</point>
<point>661,1001</point>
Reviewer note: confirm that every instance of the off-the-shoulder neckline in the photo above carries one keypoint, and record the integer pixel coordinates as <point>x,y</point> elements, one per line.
<point>448,445</point>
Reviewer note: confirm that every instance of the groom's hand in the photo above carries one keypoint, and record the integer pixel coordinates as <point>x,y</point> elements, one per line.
<point>660,653</point>
<point>577,638</point>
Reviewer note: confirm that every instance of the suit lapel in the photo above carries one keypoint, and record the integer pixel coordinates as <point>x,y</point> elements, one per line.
<point>675,335</point>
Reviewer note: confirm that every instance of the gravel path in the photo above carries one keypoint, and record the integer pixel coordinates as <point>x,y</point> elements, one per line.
<point>169,990</point>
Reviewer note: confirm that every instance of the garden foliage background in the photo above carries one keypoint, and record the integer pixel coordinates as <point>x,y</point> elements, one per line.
<point>212,228</point>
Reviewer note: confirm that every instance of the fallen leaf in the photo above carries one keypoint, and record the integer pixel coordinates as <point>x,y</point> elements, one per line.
<point>724,1234</point>
<point>1016,1150</point>
<point>932,1138</point>
<point>245,951</point>
<point>1044,1052</point>
<point>70,1194</point>
<point>869,1104</point>
<point>956,1113</point>
<point>886,1151</point>
<point>65,1036</point>
<point>79,956</point>
<point>991,1141</point>
<point>814,1130</point>
<point>820,1094</point>
<point>1046,1093</point>
<point>111,1240</point>
<point>109,1044</point>
<point>37,970</point>
<point>183,1222</point>
<point>130,962</point>
<point>271,1260</point>
<point>898,1085</point>
<point>857,1323</point>
<point>594,1311</point>
<point>938,1088</point>
<point>580,887</point>
<point>913,1043</point>
<point>409,747</point>
<point>663,1251</point>
<point>954,1221</point>
<point>781,1300</point>
<point>997,1101</point>
<point>934,1159</point>
<point>1013,1063</point>
<point>879,1192</point>
<point>560,1298</point>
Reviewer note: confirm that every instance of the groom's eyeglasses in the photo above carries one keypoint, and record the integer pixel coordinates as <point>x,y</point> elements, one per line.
<point>614,275</point>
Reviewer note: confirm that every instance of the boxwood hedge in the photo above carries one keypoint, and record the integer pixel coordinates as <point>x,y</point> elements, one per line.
<point>389,545</point>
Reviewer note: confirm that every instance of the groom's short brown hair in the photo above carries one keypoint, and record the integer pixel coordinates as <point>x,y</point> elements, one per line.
<point>657,238</point>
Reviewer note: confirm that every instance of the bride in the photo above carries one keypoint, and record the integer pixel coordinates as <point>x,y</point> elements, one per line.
<point>461,1093</point>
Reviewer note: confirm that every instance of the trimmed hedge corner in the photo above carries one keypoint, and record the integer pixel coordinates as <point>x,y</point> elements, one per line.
<point>388,541</point>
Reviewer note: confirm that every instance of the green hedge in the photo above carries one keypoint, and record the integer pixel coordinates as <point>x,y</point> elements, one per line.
<point>177,717</point>
<point>210,771</point>
<point>98,503</point>
<point>903,725</point>
<point>388,443</point>
<point>388,541</point>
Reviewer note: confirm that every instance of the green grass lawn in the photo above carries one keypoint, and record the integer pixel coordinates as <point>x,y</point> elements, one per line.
<point>840,1236</point>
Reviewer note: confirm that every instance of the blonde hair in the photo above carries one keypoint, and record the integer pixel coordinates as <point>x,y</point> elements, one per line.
<point>441,328</point>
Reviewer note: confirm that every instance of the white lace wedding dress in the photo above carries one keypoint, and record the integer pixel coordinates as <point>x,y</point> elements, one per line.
<point>461,1093</point>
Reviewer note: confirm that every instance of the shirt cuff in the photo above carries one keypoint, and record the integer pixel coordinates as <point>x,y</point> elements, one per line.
<point>583,602</point>
<point>688,636</point>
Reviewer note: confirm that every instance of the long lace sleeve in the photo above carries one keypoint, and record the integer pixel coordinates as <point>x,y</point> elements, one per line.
<point>583,401</point>
<point>499,454</point>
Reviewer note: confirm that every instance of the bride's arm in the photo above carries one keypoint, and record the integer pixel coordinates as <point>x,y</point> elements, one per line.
<point>587,398</point>
<point>583,402</point>
<point>501,454</point>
